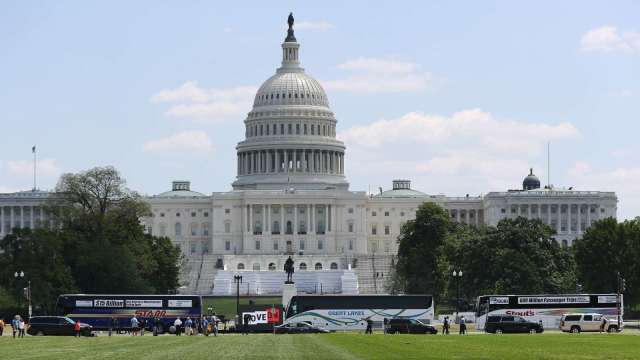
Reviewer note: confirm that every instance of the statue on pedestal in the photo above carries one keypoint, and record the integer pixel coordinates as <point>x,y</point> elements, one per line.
<point>288,268</point>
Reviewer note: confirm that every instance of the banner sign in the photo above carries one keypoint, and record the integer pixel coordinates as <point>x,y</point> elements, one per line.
<point>108,303</point>
<point>144,303</point>
<point>256,317</point>
<point>553,300</point>
<point>499,300</point>
<point>84,303</point>
<point>273,315</point>
<point>608,299</point>
<point>180,303</point>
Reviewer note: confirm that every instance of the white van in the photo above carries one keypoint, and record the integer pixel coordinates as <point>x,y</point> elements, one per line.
<point>577,323</point>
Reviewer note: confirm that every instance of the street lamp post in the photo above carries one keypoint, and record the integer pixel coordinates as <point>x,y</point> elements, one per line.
<point>458,276</point>
<point>19,276</point>
<point>237,279</point>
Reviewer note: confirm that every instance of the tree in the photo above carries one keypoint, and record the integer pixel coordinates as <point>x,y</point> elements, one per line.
<point>419,266</point>
<point>38,253</point>
<point>105,244</point>
<point>516,256</point>
<point>609,247</point>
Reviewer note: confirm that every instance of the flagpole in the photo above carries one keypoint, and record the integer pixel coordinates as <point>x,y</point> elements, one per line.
<point>33,149</point>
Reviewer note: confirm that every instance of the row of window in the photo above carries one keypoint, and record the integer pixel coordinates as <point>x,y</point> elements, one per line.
<point>290,129</point>
<point>178,214</point>
<point>374,229</point>
<point>563,210</point>
<point>386,213</point>
<point>177,229</point>
<point>275,98</point>
<point>302,266</point>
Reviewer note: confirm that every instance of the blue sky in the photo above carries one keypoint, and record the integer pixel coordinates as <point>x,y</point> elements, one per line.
<point>460,97</point>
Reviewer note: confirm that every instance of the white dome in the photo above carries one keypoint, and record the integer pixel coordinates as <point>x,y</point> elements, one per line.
<point>291,88</point>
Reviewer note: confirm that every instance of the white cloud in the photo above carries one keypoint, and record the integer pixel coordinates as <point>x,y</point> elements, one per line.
<point>206,105</point>
<point>622,180</point>
<point>185,140</point>
<point>470,151</point>
<point>8,190</point>
<point>608,38</point>
<point>313,25</point>
<point>45,167</point>
<point>374,75</point>
<point>463,128</point>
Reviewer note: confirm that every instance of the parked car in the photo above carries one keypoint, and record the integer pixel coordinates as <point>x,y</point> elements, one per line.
<point>499,324</point>
<point>299,328</point>
<point>577,323</point>
<point>409,326</point>
<point>56,325</point>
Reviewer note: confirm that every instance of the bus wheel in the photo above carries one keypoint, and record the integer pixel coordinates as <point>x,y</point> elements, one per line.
<point>575,329</point>
<point>498,331</point>
<point>612,329</point>
<point>532,331</point>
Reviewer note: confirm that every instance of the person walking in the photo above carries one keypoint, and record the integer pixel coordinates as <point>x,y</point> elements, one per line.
<point>157,325</point>
<point>112,323</point>
<point>178,324</point>
<point>134,325</point>
<point>215,320</point>
<point>188,326</point>
<point>76,328</point>
<point>463,326</point>
<point>385,325</point>
<point>205,326</point>
<point>15,322</point>
<point>369,329</point>
<point>21,326</point>
<point>143,324</point>
<point>245,324</point>
<point>1,326</point>
<point>445,326</point>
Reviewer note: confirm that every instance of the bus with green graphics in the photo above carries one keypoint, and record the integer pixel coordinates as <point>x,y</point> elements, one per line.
<point>350,312</point>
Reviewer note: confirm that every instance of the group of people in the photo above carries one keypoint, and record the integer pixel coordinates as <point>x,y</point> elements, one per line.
<point>18,326</point>
<point>207,325</point>
<point>462,328</point>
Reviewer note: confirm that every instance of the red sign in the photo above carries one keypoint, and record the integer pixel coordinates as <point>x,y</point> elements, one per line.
<point>273,315</point>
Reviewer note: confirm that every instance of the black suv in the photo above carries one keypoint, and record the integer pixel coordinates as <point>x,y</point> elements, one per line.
<point>409,326</point>
<point>511,324</point>
<point>56,325</point>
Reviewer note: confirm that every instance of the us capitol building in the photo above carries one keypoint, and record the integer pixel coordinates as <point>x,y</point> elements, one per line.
<point>291,197</point>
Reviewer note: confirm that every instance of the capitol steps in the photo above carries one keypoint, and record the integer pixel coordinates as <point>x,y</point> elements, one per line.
<point>367,267</point>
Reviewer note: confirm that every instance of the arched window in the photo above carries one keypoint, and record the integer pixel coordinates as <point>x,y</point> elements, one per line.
<point>276,227</point>
<point>272,267</point>
<point>318,266</point>
<point>178,229</point>
<point>334,266</point>
<point>256,267</point>
<point>241,266</point>
<point>303,266</point>
<point>194,229</point>
<point>289,228</point>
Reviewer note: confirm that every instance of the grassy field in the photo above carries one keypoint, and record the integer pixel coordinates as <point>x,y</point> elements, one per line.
<point>328,346</point>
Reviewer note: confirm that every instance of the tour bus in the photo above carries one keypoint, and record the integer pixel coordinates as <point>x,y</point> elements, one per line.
<point>546,308</point>
<point>349,312</point>
<point>98,310</point>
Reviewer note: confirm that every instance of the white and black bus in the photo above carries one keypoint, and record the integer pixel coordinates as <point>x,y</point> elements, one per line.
<point>349,312</point>
<point>546,308</point>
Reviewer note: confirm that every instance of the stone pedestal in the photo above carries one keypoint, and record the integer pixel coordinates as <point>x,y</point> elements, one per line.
<point>288,291</point>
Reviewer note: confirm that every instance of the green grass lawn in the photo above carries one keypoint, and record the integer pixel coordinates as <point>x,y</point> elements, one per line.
<point>328,346</point>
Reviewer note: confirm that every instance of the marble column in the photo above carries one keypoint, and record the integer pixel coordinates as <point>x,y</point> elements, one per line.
<point>251,219</point>
<point>264,219</point>
<point>313,161</point>
<point>312,226</point>
<point>267,225</point>
<point>277,163</point>
<point>295,219</point>
<point>12,219</point>
<point>31,218</point>
<point>1,219</point>
<point>559,214</point>
<point>588,216</point>
<point>282,227</point>
<point>286,161</point>
<point>326,219</point>
<point>308,219</point>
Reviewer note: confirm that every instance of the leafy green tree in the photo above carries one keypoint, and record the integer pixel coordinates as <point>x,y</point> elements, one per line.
<point>105,244</point>
<point>609,247</point>
<point>516,256</point>
<point>39,253</point>
<point>419,266</point>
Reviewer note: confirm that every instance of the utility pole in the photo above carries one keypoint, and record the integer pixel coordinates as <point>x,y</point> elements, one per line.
<point>238,280</point>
